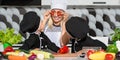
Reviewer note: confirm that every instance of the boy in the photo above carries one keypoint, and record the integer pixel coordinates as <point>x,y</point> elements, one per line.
<point>77,28</point>
<point>30,23</point>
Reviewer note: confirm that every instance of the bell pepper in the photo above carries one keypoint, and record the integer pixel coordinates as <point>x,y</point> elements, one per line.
<point>63,50</point>
<point>52,12</point>
<point>8,49</point>
<point>59,13</point>
<point>6,45</point>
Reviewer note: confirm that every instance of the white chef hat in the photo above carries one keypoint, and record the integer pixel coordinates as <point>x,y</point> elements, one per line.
<point>59,4</point>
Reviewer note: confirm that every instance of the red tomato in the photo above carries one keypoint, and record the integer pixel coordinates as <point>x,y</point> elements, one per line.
<point>89,52</point>
<point>108,57</point>
<point>63,50</point>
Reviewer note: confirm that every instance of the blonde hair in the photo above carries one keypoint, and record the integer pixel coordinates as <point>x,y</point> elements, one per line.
<point>50,22</point>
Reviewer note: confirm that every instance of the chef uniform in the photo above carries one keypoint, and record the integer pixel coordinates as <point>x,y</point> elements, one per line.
<point>30,24</point>
<point>78,28</point>
<point>54,33</point>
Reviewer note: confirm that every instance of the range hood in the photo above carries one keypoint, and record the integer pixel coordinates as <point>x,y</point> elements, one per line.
<point>87,2</point>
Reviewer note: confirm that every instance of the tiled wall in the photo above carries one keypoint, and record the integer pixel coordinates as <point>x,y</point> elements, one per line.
<point>102,21</point>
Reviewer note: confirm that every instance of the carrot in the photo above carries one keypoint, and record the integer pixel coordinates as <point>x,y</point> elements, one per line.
<point>12,57</point>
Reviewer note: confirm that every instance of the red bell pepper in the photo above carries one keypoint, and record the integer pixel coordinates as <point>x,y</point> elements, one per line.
<point>52,12</point>
<point>63,50</point>
<point>8,49</point>
<point>59,13</point>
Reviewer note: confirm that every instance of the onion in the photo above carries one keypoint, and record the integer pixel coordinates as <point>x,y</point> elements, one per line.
<point>32,57</point>
<point>40,56</point>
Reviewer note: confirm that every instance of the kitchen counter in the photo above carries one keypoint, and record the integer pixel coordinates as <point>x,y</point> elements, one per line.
<point>63,58</point>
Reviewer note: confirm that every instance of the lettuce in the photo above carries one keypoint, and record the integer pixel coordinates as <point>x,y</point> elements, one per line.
<point>8,36</point>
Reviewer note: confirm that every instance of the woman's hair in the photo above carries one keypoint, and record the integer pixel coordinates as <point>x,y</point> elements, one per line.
<point>50,23</point>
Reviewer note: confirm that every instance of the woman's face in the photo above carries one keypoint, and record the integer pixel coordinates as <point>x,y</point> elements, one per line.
<point>57,15</point>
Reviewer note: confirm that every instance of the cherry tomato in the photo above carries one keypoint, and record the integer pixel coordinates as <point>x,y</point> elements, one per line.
<point>108,57</point>
<point>89,52</point>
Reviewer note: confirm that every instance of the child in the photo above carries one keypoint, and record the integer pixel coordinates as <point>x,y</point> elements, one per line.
<point>30,23</point>
<point>77,28</point>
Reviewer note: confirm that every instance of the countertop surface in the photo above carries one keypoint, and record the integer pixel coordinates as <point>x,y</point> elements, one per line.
<point>69,58</point>
<point>63,58</point>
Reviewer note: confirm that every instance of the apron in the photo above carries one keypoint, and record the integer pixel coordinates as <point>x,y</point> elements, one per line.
<point>54,34</point>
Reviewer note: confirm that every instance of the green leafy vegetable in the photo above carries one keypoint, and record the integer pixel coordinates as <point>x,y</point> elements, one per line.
<point>116,35</point>
<point>8,36</point>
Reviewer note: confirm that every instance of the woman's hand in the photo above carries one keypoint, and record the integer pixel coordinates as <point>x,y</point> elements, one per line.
<point>47,15</point>
<point>66,15</point>
<point>44,21</point>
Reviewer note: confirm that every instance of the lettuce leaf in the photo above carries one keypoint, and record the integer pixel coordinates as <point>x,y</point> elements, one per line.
<point>8,36</point>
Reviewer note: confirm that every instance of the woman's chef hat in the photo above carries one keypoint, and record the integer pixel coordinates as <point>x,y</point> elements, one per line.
<point>59,4</point>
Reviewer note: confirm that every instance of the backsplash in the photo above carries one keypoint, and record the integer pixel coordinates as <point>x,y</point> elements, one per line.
<point>102,21</point>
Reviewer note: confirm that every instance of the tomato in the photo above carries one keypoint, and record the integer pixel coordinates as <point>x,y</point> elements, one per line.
<point>108,57</point>
<point>63,50</point>
<point>89,52</point>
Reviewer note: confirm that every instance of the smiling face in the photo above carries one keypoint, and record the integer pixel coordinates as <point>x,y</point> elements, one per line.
<point>57,15</point>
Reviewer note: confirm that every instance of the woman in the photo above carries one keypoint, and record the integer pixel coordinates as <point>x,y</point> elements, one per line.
<point>53,21</point>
